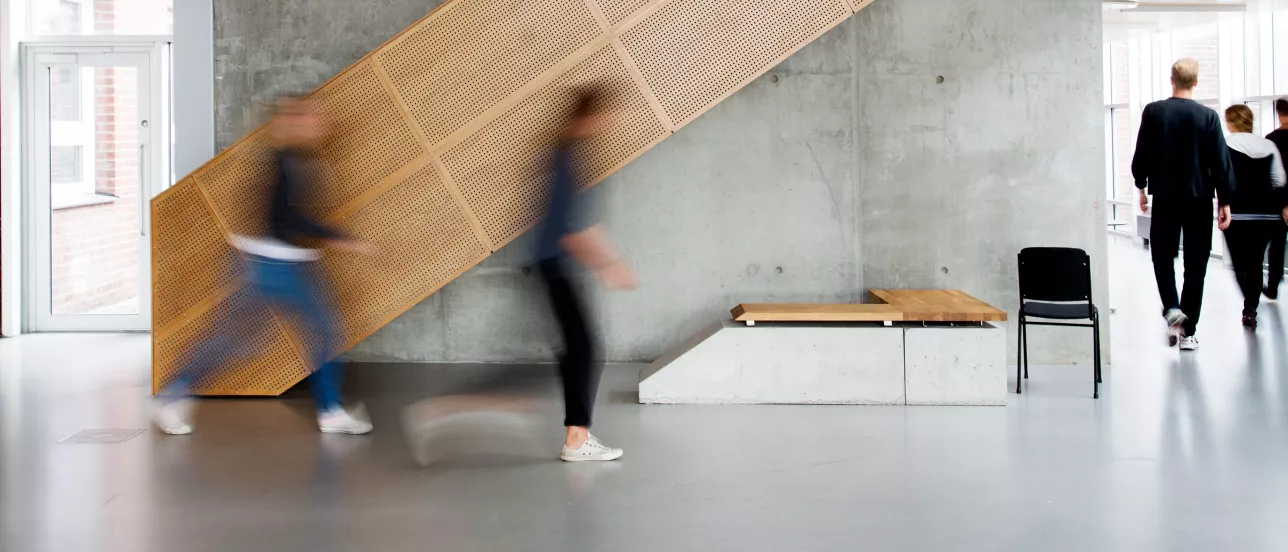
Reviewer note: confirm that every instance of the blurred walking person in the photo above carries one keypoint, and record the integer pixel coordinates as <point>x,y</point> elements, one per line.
<point>1257,206</point>
<point>1279,238</point>
<point>566,233</point>
<point>282,273</point>
<point>1181,159</point>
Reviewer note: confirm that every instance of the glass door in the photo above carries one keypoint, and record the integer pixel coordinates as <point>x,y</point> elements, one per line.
<point>96,137</point>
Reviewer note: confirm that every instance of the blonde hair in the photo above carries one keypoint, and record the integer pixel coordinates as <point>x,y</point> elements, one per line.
<point>1240,118</point>
<point>1185,73</point>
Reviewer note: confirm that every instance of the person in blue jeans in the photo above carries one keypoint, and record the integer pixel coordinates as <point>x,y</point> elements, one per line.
<point>281,273</point>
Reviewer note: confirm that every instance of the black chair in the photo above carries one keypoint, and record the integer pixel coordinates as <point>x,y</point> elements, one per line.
<point>1055,284</point>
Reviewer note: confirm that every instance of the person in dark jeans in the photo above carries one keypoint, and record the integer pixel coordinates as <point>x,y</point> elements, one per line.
<point>1257,207</point>
<point>281,272</point>
<point>564,234</point>
<point>1279,238</point>
<point>1181,159</point>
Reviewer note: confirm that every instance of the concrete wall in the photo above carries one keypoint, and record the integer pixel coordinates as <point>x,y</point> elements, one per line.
<point>847,166</point>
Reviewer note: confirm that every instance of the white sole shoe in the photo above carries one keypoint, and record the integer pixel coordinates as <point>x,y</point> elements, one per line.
<point>172,417</point>
<point>591,451</point>
<point>347,422</point>
<point>1175,326</point>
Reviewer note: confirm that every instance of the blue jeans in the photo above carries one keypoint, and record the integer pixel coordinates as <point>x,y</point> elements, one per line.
<point>293,290</point>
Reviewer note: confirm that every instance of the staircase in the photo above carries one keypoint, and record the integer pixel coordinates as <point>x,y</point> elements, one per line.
<point>438,156</point>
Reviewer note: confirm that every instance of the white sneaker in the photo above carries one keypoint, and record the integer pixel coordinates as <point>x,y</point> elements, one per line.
<point>1175,326</point>
<point>590,451</point>
<point>171,416</point>
<point>1189,343</point>
<point>338,420</point>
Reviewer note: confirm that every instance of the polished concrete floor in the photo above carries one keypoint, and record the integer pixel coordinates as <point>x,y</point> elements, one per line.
<point>1182,452</point>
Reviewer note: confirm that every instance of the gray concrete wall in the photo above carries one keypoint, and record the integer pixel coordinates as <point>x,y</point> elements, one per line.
<point>1007,152</point>
<point>847,166</point>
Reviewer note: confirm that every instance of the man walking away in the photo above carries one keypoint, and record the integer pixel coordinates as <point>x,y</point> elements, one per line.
<point>1181,159</point>
<point>1275,273</point>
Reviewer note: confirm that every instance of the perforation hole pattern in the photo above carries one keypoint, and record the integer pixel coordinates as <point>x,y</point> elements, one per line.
<point>239,183</point>
<point>191,260</point>
<point>692,52</point>
<point>423,241</point>
<point>619,10</point>
<point>502,169</point>
<point>260,359</point>
<point>370,140</point>
<point>455,66</point>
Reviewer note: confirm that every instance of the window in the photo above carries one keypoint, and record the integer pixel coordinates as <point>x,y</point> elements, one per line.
<point>78,17</point>
<point>1242,60</point>
<point>65,164</point>
<point>64,94</point>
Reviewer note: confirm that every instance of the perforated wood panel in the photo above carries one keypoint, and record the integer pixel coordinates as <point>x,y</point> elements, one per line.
<point>192,259</point>
<point>424,242</point>
<point>451,68</point>
<point>694,52</point>
<point>618,10</point>
<point>265,361</point>
<point>443,137</point>
<point>502,168</point>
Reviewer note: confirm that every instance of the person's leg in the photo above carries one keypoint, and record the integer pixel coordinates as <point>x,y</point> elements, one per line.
<point>1275,272</point>
<point>1164,244</point>
<point>1197,229</point>
<point>294,289</point>
<point>576,370</point>
<point>1261,235</point>
<point>1240,246</point>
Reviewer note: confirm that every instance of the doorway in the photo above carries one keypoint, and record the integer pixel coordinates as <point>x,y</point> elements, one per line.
<point>96,125</point>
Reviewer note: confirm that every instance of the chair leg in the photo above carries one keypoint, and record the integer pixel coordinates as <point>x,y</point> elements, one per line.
<point>1095,327</point>
<point>1025,348</point>
<point>1019,358</point>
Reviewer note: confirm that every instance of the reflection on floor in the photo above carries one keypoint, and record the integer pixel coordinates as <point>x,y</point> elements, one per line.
<point>1183,452</point>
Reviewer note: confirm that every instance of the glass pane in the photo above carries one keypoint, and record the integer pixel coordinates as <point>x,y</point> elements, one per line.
<point>1201,44</point>
<point>94,185</point>
<point>1119,87</point>
<point>75,17</point>
<point>1124,149</point>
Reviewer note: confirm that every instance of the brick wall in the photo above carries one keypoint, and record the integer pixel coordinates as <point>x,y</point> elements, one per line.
<point>1201,44</point>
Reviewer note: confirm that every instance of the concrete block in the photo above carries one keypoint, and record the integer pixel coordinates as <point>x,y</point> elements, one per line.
<point>955,365</point>
<point>729,363</point>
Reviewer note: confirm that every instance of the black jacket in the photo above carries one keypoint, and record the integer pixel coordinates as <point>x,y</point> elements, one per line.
<point>1259,177</point>
<point>1181,153</point>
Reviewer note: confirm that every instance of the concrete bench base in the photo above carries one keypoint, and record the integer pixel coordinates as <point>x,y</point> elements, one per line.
<point>730,363</point>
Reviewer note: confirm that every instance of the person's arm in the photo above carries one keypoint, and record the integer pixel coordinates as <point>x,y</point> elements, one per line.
<point>1141,160</point>
<point>1216,161</point>
<point>591,248</point>
<point>1277,176</point>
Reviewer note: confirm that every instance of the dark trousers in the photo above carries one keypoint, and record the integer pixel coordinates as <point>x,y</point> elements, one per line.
<point>1275,273</point>
<point>580,378</point>
<point>1247,241</point>
<point>1171,219</point>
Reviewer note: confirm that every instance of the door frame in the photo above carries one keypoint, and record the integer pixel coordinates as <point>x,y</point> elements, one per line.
<point>156,171</point>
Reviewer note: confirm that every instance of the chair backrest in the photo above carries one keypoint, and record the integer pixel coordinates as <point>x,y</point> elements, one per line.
<point>1055,274</point>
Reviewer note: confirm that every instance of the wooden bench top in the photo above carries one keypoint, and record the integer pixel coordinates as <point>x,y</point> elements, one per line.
<point>887,306</point>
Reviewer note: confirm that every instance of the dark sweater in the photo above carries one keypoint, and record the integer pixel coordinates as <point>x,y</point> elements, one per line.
<point>1181,153</point>
<point>286,222</point>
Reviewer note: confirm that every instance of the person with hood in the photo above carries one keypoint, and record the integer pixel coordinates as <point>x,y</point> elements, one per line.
<point>1257,207</point>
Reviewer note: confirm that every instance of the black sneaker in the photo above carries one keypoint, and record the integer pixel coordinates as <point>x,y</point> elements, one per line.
<point>1250,322</point>
<point>1271,293</point>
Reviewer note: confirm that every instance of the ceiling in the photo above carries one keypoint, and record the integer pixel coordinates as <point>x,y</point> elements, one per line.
<point>1153,16</point>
